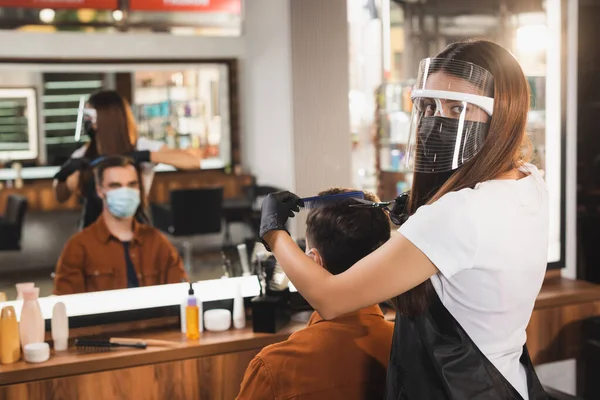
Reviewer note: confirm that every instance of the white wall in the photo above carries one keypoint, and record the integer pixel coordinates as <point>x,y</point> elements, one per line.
<point>117,45</point>
<point>267,130</point>
<point>320,83</point>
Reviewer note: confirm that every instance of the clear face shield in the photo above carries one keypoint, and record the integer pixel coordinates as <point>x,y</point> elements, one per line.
<point>86,120</point>
<point>452,109</point>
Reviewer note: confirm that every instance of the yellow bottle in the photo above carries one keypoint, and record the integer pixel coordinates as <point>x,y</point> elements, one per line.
<point>192,319</point>
<point>10,344</point>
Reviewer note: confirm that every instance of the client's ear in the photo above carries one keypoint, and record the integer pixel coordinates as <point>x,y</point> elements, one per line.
<point>315,256</point>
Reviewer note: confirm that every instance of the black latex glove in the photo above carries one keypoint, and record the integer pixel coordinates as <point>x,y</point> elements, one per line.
<point>140,156</point>
<point>276,209</point>
<point>398,213</point>
<point>88,128</point>
<point>70,167</point>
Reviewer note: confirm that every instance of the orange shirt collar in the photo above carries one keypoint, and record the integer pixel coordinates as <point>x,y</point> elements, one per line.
<point>104,234</point>
<point>372,310</point>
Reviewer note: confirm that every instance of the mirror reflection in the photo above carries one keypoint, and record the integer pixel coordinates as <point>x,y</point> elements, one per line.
<point>121,175</point>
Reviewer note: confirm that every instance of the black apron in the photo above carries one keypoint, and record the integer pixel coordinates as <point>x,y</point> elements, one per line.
<point>433,358</point>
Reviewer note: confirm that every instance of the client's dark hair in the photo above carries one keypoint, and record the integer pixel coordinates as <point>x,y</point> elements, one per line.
<point>343,235</point>
<point>121,161</point>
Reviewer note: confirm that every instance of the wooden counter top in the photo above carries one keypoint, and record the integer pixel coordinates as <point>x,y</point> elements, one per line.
<point>561,305</point>
<point>558,291</point>
<point>74,362</point>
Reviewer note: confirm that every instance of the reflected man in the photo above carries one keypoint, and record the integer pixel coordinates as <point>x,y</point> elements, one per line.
<point>117,251</point>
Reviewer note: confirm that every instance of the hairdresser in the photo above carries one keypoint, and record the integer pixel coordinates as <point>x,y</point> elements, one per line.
<point>109,122</point>
<point>467,265</point>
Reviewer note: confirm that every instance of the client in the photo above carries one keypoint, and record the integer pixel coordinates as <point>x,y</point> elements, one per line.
<point>116,251</point>
<point>344,358</point>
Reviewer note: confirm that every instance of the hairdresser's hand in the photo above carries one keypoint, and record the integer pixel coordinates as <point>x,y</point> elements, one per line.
<point>140,156</point>
<point>398,212</point>
<point>70,167</point>
<point>276,209</point>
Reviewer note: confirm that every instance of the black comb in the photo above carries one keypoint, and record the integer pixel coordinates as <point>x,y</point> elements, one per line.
<point>91,345</point>
<point>322,201</point>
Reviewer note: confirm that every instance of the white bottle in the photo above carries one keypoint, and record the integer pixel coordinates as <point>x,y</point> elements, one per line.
<point>239,314</point>
<point>60,327</point>
<point>182,307</point>
<point>31,325</point>
<point>241,248</point>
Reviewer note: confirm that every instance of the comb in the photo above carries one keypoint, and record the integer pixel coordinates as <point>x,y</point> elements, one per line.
<point>321,201</point>
<point>97,161</point>
<point>99,345</point>
<point>148,342</point>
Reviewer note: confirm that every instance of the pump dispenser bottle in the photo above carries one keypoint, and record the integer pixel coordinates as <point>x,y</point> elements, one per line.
<point>192,316</point>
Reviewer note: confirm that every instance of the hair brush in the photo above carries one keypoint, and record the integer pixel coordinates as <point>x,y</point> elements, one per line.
<point>322,201</point>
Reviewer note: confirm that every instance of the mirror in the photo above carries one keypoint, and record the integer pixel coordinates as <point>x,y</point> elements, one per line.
<point>181,105</point>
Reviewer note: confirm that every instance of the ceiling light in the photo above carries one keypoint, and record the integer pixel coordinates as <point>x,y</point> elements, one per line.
<point>47,15</point>
<point>117,15</point>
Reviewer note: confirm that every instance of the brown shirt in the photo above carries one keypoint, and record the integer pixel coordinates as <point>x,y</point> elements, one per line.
<point>94,260</point>
<point>345,358</point>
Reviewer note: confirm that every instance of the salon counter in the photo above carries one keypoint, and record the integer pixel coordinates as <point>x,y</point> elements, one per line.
<point>213,367</point>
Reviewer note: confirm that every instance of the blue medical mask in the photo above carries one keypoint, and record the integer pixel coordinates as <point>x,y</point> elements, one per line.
<point>123,202</point>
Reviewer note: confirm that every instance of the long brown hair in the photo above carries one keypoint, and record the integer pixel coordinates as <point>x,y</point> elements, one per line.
<point>116,131</point>
<point>501,152</point>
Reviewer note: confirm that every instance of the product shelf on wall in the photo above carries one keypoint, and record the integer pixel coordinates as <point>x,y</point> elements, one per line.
<point>171,107</point>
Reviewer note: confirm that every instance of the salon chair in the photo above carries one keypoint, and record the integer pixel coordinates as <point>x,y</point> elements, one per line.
<point>191,212</point>
<point>11,223</point>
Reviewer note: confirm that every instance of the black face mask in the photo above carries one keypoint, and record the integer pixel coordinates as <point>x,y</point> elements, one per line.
<point>88,128</point>
<point>436,141</point>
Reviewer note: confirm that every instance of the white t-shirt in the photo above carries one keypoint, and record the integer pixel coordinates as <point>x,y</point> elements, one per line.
<point>142,144</point>
<point>490,245</point>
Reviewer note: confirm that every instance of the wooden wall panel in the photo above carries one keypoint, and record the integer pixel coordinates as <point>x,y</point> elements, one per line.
<point>208,378</point>
<point>40,195</point>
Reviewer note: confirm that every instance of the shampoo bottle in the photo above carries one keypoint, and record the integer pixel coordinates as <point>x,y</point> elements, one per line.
<point>239,313</point>
<point>10,345</point>
<point>192,316</point>
<point>60,327</point>
<point>183,311</point>
<point>31,326</point>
